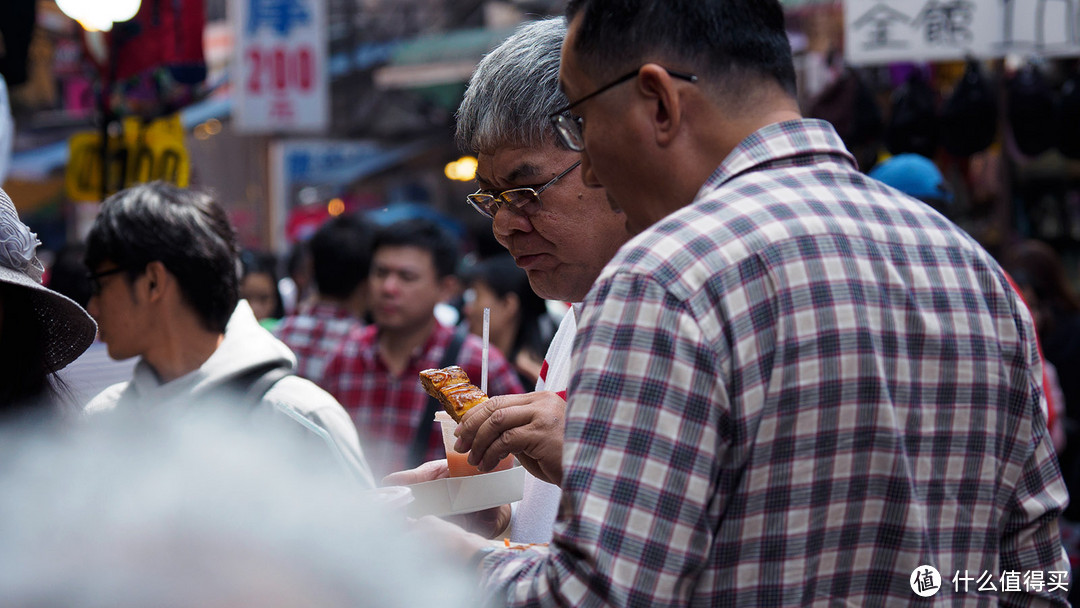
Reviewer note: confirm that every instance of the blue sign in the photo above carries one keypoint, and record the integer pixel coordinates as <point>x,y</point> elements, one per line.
<point>281,15</point>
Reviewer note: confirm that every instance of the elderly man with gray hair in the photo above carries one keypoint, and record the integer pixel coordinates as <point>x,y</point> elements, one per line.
<point>560,232</point>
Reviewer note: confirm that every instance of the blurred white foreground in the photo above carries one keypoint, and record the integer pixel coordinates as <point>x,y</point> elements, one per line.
<point>203,511</point>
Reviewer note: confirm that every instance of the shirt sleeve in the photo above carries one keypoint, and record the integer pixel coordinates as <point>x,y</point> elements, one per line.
<point>1030,535</point>
<point>642,450</point>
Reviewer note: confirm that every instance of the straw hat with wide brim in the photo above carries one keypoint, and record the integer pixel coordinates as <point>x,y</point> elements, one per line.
<point>68,329</point>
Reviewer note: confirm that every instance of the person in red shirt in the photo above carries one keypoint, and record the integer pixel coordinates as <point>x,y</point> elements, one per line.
<point>341,258</point>
<point>375,373</point>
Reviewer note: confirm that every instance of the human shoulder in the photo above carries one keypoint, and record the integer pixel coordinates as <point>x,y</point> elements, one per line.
<point>107,399</point>
<point>312,408</point>
<point>300,394</point>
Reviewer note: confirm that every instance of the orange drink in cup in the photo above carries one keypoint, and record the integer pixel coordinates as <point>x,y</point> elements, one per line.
<point>458,463</point>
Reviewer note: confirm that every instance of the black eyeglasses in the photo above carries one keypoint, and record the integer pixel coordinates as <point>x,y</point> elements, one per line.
<point>95,278</point>
<point>525,201</point>
<point>569,127</point>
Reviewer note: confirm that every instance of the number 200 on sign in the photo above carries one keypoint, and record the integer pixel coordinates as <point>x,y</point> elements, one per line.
<point>280,69</point>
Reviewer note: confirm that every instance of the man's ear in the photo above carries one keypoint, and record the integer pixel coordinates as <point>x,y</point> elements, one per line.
<point>666,111</point>
<point>157,280</point>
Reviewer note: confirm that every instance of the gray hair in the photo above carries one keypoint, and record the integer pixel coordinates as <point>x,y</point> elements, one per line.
<point>514,89</point>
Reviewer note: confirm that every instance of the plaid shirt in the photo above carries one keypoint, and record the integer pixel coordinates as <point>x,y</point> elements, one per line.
<point>794,392</point>
<point>315,335</point>
<point>387,407</point>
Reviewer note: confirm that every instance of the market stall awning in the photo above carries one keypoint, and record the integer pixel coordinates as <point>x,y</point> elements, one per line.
<point>440,59</point>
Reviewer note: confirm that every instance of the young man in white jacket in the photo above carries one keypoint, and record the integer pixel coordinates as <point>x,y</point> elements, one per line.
<point>164,277</point>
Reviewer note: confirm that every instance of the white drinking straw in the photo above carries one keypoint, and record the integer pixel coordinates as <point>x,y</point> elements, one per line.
<point>483,362</point>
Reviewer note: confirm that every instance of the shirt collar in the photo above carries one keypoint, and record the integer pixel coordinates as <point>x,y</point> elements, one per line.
<point>792,141</point>
<point>326,310</point>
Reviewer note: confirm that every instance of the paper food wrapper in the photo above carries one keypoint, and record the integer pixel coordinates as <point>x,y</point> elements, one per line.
<point>455,495</point>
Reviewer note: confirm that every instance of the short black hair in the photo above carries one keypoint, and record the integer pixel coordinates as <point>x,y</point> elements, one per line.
<point>423,234</point>
<point>721,40</point>
<point>183,229</point>
<point>341,254</point>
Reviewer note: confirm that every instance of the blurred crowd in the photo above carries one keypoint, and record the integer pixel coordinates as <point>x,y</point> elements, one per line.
<point>708,382</point>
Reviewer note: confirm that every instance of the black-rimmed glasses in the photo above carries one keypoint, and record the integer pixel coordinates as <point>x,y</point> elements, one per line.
<point>569,127</point>
<point>524,200</point>
<point>95,278</point>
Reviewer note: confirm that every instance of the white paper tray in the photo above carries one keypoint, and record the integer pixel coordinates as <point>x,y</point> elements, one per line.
<point>455,495</point>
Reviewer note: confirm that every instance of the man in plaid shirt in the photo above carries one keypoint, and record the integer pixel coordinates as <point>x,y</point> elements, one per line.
<point>375,373</point>
<point>795,386</point>
<point>341,258</point>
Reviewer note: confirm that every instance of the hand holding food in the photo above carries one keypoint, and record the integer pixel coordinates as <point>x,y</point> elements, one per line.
<point>529,426</point>
<point>451,387</point>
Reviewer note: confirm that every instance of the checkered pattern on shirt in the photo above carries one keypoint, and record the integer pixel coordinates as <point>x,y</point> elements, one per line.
<point>314,335</point>
<point>793,392</point>
<point>387,407</point>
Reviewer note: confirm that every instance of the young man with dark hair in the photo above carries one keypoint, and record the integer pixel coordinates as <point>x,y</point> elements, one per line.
<point>164,276</point>
<point>794,385</point>
<point>375,374</point>
<point>341,258</point>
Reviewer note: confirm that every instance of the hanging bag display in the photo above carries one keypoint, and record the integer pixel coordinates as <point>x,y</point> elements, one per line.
<point>1032,112</point>
<point>1069,115</point>
<point>970,114</point>
<point>913,124</point>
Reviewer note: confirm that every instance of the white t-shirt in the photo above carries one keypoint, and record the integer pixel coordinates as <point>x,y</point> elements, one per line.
<point>535,513</point>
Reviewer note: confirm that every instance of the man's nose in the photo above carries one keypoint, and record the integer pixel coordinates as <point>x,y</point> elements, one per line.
<point>507,222</point>
<point>587,176</point>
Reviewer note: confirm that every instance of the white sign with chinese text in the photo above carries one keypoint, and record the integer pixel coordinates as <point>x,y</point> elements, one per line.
<point>280,82</point>
<point>883,31</point>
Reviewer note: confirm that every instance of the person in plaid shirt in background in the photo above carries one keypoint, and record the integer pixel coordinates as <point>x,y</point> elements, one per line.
<point>341,259</point>
<point>794,386</point>
<point>375,373</point>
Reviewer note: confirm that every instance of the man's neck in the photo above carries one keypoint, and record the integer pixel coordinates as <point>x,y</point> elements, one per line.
<point>182,350</point>
<point>397,345</point>
<point>351,304</point>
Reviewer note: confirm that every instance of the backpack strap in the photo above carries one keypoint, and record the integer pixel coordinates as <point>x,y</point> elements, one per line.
<point>423,430</point>
<point>252,385</point>
<point>262,385</point>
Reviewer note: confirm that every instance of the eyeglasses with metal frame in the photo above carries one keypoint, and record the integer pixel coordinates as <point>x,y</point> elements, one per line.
<point>570,127</point>
<point>95,278</point>
<point>523,200</point>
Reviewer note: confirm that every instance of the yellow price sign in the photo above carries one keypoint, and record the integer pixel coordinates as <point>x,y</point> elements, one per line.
<point>145,152</point>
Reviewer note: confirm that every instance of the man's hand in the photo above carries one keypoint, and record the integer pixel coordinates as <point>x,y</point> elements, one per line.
<point>429,471</point>
<point>453,540</point>
<point>530,426</point>
<point>487,523</point>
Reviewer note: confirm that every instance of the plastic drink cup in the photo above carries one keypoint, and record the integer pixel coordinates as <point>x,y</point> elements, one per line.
<point>458,463</point>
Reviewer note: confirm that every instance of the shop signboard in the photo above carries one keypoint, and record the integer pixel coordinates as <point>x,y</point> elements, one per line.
<point>314,170</point>
<point>883,31</point>
<point>279,62</point>
<point>143,153</point>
